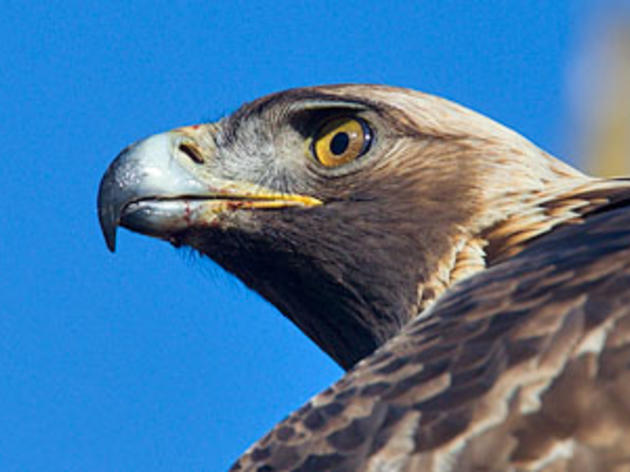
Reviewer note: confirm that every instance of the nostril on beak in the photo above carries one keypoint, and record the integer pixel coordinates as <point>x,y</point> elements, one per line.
<point>192,152</point>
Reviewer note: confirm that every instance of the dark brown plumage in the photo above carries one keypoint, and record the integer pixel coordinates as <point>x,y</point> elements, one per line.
<point>491,280</point>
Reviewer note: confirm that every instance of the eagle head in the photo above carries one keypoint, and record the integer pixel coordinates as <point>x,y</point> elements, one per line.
<point>350,207</point>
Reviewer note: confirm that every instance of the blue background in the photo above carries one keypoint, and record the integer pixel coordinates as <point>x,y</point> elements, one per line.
<point>152,358</point>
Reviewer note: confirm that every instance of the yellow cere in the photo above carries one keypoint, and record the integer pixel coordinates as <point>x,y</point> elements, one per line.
<point>341,140</point>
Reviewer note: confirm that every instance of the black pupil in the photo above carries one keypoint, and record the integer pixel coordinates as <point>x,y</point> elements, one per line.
<point>339,143</point>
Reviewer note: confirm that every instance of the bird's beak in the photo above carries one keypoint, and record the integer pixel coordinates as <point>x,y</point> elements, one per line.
<point>161,186</point>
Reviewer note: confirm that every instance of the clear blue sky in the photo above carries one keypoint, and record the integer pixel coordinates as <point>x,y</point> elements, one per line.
<point>153,359</point>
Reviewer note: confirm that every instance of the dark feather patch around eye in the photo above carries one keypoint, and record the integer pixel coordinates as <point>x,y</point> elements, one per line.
<point>307,122</point>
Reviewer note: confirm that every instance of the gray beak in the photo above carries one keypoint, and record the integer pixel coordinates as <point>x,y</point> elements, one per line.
<point>138,184</point>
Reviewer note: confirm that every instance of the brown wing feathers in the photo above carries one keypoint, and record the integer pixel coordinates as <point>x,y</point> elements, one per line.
<point>524,366</point>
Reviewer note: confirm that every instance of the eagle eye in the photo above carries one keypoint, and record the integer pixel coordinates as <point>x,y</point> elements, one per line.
<point>341,140</point>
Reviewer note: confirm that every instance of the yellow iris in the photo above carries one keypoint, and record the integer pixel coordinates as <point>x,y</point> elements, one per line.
<point>341,140</point>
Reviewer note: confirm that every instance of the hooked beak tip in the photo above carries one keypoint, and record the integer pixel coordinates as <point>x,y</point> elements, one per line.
<point>110,238</point>
<point>109,224</point>
<point>109,209</point>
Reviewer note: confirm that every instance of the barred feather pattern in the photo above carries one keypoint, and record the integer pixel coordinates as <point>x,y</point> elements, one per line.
<point>523,367</point>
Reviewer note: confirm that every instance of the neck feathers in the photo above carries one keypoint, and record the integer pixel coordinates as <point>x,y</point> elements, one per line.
<point>535,195</point>
<point>544,211</point>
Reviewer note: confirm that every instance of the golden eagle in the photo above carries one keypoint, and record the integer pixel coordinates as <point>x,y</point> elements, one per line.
<point>475,288</point>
